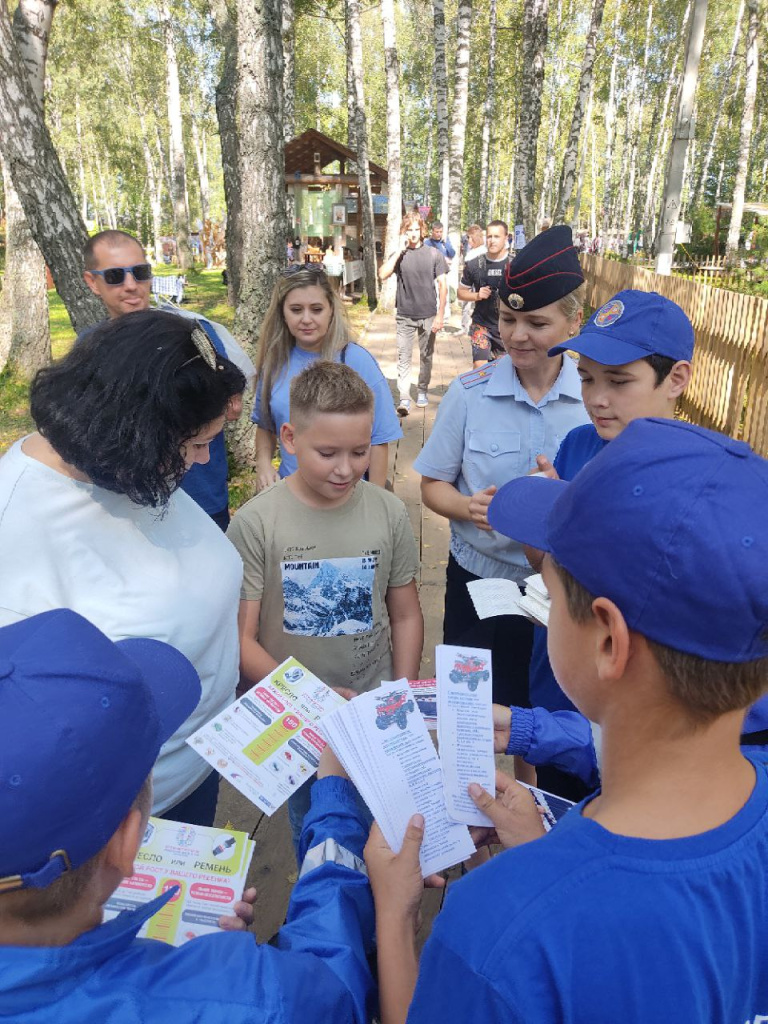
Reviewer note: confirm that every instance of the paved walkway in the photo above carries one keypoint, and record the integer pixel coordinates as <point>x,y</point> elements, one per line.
<point>273,869</point>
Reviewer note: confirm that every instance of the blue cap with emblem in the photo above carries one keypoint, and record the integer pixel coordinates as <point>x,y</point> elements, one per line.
<point>669,522</point>
<point>543,272</point>
<point>633,325</point>
<point>82,721</point>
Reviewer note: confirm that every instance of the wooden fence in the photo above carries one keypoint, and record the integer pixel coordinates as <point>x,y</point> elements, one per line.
<point>729,388</point>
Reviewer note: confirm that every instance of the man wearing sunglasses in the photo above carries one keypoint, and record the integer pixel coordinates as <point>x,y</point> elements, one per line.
<point>116,269</point>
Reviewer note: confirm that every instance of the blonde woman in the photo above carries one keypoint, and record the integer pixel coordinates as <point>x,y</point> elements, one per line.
<point>306,321</point>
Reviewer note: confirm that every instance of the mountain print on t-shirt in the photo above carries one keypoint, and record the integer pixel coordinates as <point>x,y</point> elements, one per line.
<point>328,597</point>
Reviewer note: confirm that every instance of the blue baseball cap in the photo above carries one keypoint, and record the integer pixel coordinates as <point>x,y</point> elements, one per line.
<point>82,720</point>
<point>630,326</point>
<point>669,522</point>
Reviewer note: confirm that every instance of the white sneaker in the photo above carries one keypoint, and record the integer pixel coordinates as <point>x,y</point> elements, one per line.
<point>422,400</point>
<point>403,407</point>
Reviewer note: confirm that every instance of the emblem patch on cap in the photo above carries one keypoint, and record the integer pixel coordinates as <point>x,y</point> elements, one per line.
<point>609,313</point>
<point>515,301</point>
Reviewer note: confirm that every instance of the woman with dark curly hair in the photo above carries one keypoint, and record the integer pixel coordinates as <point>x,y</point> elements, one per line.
<point>92,517</point>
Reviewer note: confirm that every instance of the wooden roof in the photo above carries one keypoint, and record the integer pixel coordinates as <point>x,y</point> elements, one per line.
<point>300,154</point>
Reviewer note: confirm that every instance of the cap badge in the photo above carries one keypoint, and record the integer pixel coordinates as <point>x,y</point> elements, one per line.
<point>515,301</point>
<point>609,313</point>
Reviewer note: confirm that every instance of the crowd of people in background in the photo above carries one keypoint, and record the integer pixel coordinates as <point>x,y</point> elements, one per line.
<point>132,606</point>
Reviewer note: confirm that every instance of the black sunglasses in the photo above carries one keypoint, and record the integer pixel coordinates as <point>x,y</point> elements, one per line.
<point>116,275</point>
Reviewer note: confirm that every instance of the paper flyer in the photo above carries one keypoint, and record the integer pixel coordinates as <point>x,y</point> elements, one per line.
<point>265,743</point>
<point>381,739</point>
<point>554,807</point>
<point>208,864</point>
<point>492,597</point>
<point>424,692</point>
<point>465,728</point>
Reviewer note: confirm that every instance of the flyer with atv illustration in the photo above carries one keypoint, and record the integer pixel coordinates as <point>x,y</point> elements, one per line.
<point>266,743</point>
<point>465,728</point>
<point>382,741</point>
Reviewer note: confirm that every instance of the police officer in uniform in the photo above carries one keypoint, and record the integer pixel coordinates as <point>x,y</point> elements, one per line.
<point>492,424</point>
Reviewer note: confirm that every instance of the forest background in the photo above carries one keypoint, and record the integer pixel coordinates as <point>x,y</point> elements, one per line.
<point>161,116</point>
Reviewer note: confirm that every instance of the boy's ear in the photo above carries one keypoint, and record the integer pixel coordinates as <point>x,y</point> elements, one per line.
<point>121,850</point>
<point>287,438</point>
<point>612,640</point>
<point>678,378</point>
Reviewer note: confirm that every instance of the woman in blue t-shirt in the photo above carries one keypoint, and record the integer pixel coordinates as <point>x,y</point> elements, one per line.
<point>306,321</point>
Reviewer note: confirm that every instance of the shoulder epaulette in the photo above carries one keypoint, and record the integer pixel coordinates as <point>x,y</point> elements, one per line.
<point>472,378</point>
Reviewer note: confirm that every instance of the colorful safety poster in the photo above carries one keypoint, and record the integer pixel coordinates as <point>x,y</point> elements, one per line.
<point>465,728</point>
<point>265,743</point>
<point>382,742</point>
<point>209,865</point>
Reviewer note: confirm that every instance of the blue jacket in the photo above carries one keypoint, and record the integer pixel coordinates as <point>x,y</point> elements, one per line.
<point>316,970</point>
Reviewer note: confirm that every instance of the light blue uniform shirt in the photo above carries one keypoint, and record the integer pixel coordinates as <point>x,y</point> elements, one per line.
<point>386,424</point>
<point>490,432</point>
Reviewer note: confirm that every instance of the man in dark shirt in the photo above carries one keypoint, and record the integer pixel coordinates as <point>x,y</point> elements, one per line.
<point>479,284</point>
<point>420,311</point>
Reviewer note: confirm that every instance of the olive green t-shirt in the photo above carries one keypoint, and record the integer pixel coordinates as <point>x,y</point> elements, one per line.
<point>322,577</point>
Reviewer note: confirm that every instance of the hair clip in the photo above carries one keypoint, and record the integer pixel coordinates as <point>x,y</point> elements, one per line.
<point>205,348</point>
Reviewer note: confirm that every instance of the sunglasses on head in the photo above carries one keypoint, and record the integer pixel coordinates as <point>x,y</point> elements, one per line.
<point>116,275</point>
<point>316,269</point>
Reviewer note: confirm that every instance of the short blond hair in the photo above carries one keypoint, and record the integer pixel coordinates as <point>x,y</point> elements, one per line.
<point>328,387</point>
<point>475,231</point>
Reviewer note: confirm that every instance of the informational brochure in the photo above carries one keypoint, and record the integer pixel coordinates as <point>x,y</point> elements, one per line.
<point>266,743</point>
<point>503,597</point>
<point>465,728</point>
<point>209,865</point>
<point>424,693</point>
<point>382,741</point>
<point>553,807</point>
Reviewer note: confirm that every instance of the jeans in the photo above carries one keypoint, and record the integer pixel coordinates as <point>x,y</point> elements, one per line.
<point>406,332</point>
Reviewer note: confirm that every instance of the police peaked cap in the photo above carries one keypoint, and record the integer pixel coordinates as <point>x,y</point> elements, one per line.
<point>542,272</point>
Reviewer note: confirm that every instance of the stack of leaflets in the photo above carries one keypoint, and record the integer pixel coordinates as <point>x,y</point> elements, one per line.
<point>382,741</point>
<point>266,743</point>
<point>536,602</point>
<point>465,728</point>
<point>424,692</point>
<point>209,866</point>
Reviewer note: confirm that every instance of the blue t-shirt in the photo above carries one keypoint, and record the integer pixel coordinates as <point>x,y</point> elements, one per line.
<point>386,424</point>
<point>590,927</point>
<point>579,446</point>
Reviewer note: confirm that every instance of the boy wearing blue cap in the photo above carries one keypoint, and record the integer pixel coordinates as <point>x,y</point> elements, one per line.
<point>648,902</point>
<point>83,720</point>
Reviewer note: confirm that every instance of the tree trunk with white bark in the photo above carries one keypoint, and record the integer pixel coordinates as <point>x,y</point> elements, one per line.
<point>459,127</point>
<point>490,90</point>
<point>670,209</point>
<point>570,159</point>
<point>535,32</point>
<point>25,337</point>
<point>355,47</point>
<point>745,136</point>
<point>178,159</point>
<point>49,206</point>
<point>289,68</point>
<point>394,168</point>
<point>441,104</point>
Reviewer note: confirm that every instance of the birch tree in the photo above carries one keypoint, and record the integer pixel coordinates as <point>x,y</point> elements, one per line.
<point>394,169</point>
<point>262,161</point>
<point>226,101</point>
<point>745,135</point>
<point>25,337</point>
<point>535,13</point>
<point>490,91</point>
<point>570,159</point>
<point>670,209</point>
<point>459,126</point>
<point>289,68</point>
<point>355,47</point>
<point>176,138</point>
<point>441,104</point>
<point>49,206</point>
